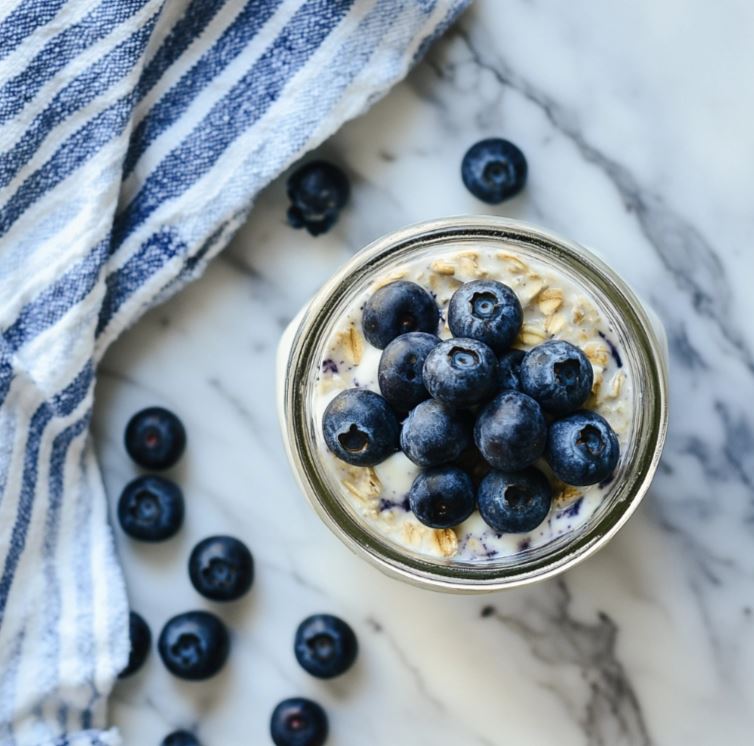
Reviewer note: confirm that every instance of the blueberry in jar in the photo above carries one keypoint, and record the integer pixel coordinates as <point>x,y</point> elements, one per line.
<point>461,372</point>
<point>151,508</point>
<point>194,645</point>
<point>155,438</point>
<point>400,370</point>
<point>360,428</point>
<point>398,308</point>
<point>435,433</point>
<point>140,637</point>
<point>221,568</point>
<point>486,310</point>
<point>473,463</point>
<point>494,170</point>
<point>298,722</point>
<point>180,738</point>
<point>511,431</point>
<point>442,497</point>
<point>558,375</point>
<point>514,501</point>
<point>509,370</point>
<point>318,191</point>
<point>325,646</point>
<point>582,449</point>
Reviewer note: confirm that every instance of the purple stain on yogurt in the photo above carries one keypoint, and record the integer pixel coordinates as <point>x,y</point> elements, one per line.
<point>329,366</point>
<point>386,504</point>
<point>572,510</point>
<point>613,350</point>
<point>524,545</point>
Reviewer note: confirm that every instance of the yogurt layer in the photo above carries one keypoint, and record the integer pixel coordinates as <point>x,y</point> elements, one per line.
<point>555,306</point>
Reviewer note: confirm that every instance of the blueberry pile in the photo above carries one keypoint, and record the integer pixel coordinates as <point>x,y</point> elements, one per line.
<point>475,414</point>
<point>195,645</point>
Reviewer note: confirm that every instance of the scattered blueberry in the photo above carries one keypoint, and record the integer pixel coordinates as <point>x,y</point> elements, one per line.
<point>486,310</point>
<point>150,508</point>
<point>194,645</point>
<point>461,372</point>
<point>221,568</point>
<point>318,191</point>
<point>155,438</point>
<point>141,640</point>
<point>400,369</point>
<point>509,370</point>
<point>360,428</point>
<point>435,434</point>
<point>558,375</point>
<point>494,170</point>
<point>582,449</point>
<point>442,497</point>
<point>325,646</point>
<point>298,722</point>
<point>511,432</point>
<point>398,308</point>
<point>514,501</point>
<point>180,738</point>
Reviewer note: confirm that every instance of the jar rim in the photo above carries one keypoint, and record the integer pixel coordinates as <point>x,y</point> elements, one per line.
<point>301,446</point>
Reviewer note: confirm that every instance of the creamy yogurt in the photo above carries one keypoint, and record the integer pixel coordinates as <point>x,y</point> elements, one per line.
<point>555,306</point>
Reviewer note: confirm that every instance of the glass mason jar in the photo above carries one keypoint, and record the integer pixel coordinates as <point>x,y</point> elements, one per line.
<point>640,338</point>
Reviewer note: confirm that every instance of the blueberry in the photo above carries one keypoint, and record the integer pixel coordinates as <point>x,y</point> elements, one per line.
<point>194,645</point>
<point>221,568</point>
<point>582,449</point>
<point>488,311</point>
<point>400,370</point>
<point>558,375</point>
<point>511,431</point>
<point>509,370</point>
<point>318,191</point>
<point>472,462</point>
<point>298,722</point>
<point>150,508</point>
<point>494,170</point>
<point>155,438</point>
<point>141,641</point>
<point>398,308</point>
<point>514,501</point>
<point>180,738</point>
<point>442,497</point>
<point>360,428</point>
<point>435,434</point>
<point>325,646</point>
<point>460,372</point>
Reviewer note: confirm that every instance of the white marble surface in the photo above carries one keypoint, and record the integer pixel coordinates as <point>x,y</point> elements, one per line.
<point>636,119</point>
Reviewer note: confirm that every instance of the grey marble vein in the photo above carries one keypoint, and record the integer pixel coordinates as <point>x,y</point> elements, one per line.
<point>612,713</point>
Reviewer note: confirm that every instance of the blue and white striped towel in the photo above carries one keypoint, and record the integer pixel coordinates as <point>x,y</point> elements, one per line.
<point>134,135</point>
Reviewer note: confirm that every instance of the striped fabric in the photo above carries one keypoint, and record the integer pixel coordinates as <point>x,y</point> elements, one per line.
<point>134,135</point>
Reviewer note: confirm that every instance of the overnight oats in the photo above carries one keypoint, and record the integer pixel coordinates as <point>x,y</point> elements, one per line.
<point>474,404</point>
